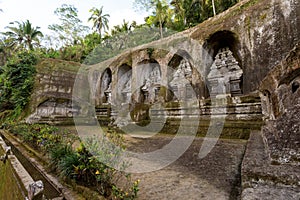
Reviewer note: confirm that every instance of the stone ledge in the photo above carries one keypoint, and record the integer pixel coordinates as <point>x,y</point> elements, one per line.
<point>37,160</point>
<point>260,177</point>
<point>27,186</point>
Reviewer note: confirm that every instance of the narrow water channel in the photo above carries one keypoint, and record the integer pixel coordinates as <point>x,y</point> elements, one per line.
<point>50,191</point>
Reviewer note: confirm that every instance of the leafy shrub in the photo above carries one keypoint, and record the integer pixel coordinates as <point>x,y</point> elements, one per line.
<point>41,136</point>
<point>57,153</point>
<point>68,163</point>
<point>84,164</point>
<point>116,44</point>
<point>16,82</point>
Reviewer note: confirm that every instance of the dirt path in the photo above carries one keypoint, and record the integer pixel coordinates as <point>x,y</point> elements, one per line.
<point>214,177</point>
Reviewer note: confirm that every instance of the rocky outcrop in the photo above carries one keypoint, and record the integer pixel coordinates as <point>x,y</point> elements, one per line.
<point>51,101</point>
<point>281,95</point>
<point>258,35</point>
<point>214,69</point>
<point>263,180</point>
<point>230,53</point>
<point>270,168</point>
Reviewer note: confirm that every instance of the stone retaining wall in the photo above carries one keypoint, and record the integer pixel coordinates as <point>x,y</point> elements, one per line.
<point>15,181</point>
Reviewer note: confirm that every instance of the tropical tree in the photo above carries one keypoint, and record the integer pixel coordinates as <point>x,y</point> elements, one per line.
<point>71,29</point>
<point>183,13</point>
<point>100,20</point>
<point>160,16</point>
<point>125,27</point>
<point>23,34</point>
<point>180,12</point>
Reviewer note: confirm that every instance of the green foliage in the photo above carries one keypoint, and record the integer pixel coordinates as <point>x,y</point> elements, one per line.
<point>181,14</point>
<point>70,28</point>
<point>41,136</point>
<point>119,193</point>
<point>125,27</point>
<point>24,35</point>
<point>161,15</point>
<point>100,20</point>
<point>58,152</point>
<point>68,163</point>
<point>48,53</point>
<point>16,82</point>
<point>76,52</point>
<point>84,164</point>
<point>118,43</point>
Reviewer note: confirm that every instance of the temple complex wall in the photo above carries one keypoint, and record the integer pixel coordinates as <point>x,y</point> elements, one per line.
<point>225,57</point>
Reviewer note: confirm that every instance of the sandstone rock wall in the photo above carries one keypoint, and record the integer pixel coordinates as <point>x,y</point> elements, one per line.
<point>228,54</point>
<point>281,95</point>
<point>258,33</point>
<point>270,169</point>
<point>52,96</point>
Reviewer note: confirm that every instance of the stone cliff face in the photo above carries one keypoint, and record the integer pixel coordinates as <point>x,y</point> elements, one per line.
<point>281,101</point>
<point>271,164</point>
<point>247,57</point>
<point>260,34</point>
<point>52,96</point>
<point>227,55</point>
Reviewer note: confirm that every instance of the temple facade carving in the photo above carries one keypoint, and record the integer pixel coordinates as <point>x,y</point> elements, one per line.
<point>225,76</point>
<point>151,86</point>
<point>106,86</point>
<point>181,81</point>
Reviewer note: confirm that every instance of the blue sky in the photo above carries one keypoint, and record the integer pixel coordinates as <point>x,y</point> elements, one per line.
<point>41,12</point>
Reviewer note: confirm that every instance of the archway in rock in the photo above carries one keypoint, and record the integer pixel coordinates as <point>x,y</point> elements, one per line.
<point>222,39</point>
<point>184,80</point>
<point>224,73</point>
<point>124,84</point>
<point>105,86</point>
<point>149,81</point>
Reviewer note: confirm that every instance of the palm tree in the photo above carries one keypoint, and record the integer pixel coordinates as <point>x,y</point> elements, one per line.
<point>179,10</point>
<point>160,14</point>
<point>23,34</point>
<point>100,20</point>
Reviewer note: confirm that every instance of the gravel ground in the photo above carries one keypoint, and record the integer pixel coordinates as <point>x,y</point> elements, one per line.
<point>217,176</point>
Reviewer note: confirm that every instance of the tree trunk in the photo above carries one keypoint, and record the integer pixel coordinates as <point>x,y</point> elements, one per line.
<point>213,5</point>
<point>161,29</point>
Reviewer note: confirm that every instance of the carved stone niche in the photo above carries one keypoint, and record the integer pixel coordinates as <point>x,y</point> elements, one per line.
<point>181,81</point>
<point>150,89</point>
<point>125,87</point>
<point>107,94</point>
<point>225,75</point>
<point>53,108</point>
<point>106,86</point>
